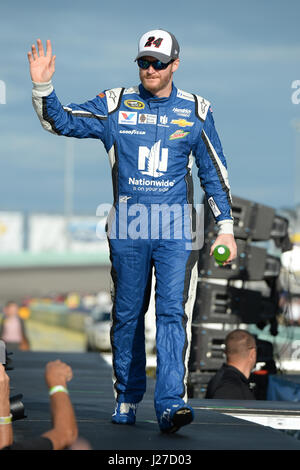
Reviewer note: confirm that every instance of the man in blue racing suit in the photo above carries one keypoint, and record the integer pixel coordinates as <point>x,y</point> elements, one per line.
<point>152,133</point>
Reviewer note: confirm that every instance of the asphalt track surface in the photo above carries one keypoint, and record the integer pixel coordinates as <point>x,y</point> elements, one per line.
<point>92,397</point>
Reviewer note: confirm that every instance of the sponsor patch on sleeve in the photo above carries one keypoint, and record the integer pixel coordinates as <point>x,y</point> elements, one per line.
<point>216,211</point>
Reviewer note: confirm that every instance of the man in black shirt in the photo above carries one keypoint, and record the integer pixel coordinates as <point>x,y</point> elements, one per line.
<point>231,382</point>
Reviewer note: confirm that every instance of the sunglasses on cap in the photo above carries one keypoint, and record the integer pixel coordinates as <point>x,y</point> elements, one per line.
<point>156,64</point>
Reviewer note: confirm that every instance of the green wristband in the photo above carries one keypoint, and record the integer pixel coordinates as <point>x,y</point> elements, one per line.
<point>6,419</point>
<point>57,388</point>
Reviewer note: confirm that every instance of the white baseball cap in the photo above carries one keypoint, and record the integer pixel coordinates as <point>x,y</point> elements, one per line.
<point>160,44</point>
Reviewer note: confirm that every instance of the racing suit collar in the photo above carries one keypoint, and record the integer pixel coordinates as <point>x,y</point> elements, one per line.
<point>147,96</point>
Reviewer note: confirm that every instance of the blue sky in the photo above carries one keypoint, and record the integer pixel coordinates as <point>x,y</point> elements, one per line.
<point>243,56</point>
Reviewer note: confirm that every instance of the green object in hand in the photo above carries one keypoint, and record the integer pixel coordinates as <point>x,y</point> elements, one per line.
<point>221,253</point>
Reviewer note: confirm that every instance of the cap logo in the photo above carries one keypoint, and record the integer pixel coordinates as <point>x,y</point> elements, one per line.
<point>158,43</point>
<point>151,41</point>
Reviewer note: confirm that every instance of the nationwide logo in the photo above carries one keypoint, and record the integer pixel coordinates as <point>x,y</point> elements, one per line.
<point>153,162</point>
<point>178,135</point>
<point>163,121</point>
<point>134,104</point>
<point>155,183</point>
<point>127,118</point>
<point>182,122</point>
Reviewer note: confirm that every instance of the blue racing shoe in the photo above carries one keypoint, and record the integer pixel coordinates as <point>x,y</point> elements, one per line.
<point>175,417</point>
<point>125,413</point>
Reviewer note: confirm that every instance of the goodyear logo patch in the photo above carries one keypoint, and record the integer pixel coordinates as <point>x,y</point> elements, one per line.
<point>134,104</point>
<point>178,135</point>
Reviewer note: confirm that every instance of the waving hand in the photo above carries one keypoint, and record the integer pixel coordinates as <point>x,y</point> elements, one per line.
<point>42,66</point>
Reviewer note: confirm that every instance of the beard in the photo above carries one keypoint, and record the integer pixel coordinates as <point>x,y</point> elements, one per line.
<point>154,84</point>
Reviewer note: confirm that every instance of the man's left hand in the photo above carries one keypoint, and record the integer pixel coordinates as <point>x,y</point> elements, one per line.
<point>228,240</point>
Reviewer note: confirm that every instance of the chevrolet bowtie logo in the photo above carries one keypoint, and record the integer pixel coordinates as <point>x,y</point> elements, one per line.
<point>182,122</point>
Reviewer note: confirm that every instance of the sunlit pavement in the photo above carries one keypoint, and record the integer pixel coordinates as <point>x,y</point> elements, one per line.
<point>44,337</point>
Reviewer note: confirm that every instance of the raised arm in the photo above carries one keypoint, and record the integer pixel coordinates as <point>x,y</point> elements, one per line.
<point>84,120</point>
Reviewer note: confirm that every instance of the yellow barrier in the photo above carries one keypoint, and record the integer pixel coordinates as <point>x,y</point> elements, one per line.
<point>70,320</point>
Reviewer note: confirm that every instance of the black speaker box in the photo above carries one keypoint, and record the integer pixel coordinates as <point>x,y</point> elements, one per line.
<point>226,304</point>
<point>197,384</point>
<point>251,220</point>
<point>207,348</point>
